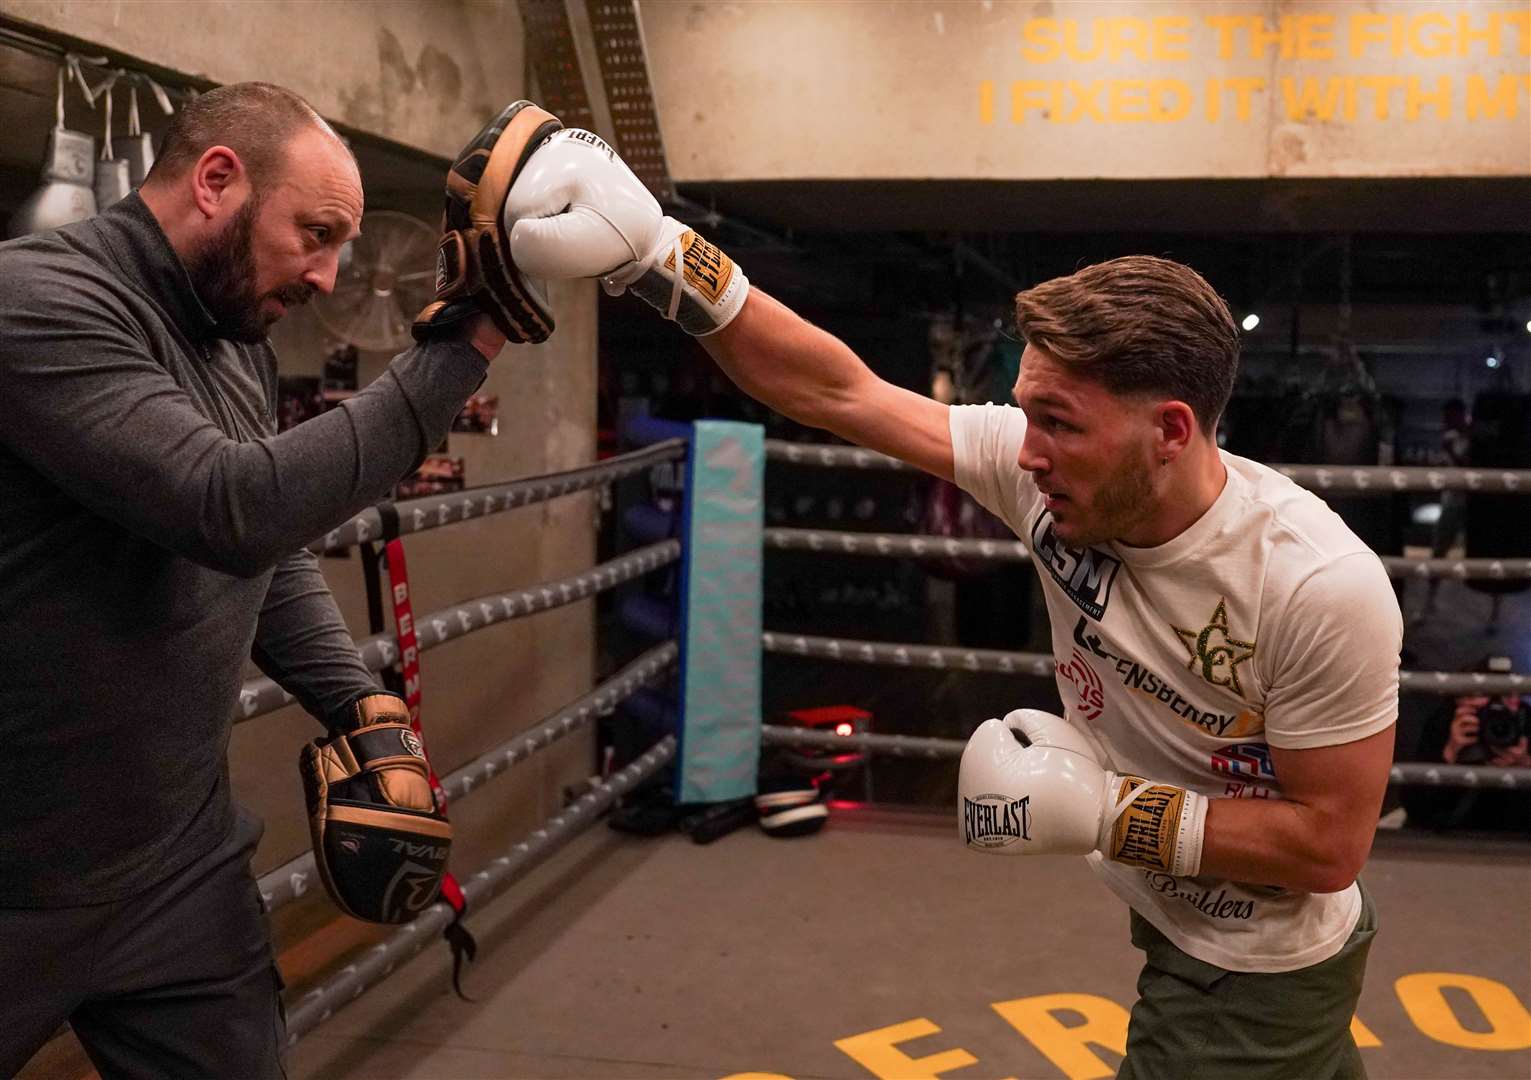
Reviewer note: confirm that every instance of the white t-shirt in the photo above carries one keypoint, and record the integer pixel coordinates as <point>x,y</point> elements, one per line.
<point>1266,623</point>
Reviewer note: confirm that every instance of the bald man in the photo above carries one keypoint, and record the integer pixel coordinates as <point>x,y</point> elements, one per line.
<point>152,539</point>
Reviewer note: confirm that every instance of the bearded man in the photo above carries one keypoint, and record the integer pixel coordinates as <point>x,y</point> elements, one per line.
<point>153,538</point>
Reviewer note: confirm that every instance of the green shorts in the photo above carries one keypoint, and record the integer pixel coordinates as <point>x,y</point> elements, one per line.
<point>1197,1021</point>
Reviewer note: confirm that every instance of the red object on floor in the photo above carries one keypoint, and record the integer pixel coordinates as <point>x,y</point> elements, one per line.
<point>831,716</point>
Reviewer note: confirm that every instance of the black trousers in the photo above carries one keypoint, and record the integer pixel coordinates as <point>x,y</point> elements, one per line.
<point>177,982</point>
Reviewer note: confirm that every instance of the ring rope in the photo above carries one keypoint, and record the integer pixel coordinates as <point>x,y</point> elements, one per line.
<point>893,545</point>
<point>946,658</point>
<point>319,1004</point>
<point>295,877</point>
<point>832,456</point>
<point>915,746</point>
<point>892,654</point>
<point>261,695</point>
<point>916,546</point>
<point>1381,479</point>
<point>1414,773</point>
<point>435,511</point>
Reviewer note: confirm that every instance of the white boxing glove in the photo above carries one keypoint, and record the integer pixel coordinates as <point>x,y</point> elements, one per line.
<point>1032,785</point>
<point>577,211</point>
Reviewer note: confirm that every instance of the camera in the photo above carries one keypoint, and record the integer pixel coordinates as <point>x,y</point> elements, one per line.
<point>1500,726</point>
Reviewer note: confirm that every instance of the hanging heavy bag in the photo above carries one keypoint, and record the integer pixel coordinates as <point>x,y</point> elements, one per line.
<point>65,195</point>
<point>112,181</point>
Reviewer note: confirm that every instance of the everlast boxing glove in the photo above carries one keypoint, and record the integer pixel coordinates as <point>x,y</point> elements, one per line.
<point>474,268</point>
<point>577,211</point>
<point>1033,785</point>
<point>379,842</point>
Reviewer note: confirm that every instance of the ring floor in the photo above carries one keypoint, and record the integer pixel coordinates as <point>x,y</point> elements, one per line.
<point>881,941</point>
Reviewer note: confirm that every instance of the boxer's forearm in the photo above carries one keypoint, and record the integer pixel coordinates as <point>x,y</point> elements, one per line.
<point>1316,837</point>
<point>782,360</point>
<point>1283,843</point>
<point>811,376</point>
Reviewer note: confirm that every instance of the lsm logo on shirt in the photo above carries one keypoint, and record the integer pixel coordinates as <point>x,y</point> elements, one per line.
<point>1084,574</point>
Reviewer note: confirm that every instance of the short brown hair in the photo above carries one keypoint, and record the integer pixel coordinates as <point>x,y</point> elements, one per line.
<point>254,119</point>
<point>1138,325</point>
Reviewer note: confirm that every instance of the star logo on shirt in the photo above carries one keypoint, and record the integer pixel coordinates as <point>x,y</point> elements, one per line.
<point>1214,653</point>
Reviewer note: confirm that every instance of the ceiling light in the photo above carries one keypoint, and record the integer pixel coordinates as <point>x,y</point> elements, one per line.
<point>1252,320</point>
<point>1492,361</point>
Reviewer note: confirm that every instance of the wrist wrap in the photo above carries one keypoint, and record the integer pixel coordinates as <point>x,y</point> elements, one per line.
<point>1154,826</point>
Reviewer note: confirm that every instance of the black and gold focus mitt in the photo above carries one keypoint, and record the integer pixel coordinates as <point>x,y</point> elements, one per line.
<point>474,268</point>
<point>379,842</point>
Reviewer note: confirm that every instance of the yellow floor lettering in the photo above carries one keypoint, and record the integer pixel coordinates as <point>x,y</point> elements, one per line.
<point>1362,1034</point>
<point>1509,1022</point>
<point>757,1076</point>
<point>878,1052</point>
<point>1067,1046</point>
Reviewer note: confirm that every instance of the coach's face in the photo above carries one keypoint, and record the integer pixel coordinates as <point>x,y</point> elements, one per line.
<point>1091,452</point>
<point>281,244</point>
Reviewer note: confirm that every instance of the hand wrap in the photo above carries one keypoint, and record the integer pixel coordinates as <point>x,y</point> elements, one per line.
<point>1153,826</point>
<point>687,279</point>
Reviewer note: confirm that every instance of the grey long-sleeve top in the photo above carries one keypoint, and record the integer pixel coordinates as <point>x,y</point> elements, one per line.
<point>151,532</point>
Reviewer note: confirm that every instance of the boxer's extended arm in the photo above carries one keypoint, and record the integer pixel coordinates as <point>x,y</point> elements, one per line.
<point>811,376</point>
<point>301,640</point>
<point>1317,836</point>
<point>578,211</point>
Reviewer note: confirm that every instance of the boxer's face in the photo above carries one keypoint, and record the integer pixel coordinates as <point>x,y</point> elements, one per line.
<point>1089,450</point>
<point>283,244</point>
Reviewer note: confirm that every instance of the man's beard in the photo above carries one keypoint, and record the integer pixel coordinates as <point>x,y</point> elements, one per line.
<point>1124,500</point>
<point>223,273</point>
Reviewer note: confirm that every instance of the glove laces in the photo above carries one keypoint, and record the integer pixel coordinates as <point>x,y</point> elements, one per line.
<point>677,284</point>
<point>1122,804</point>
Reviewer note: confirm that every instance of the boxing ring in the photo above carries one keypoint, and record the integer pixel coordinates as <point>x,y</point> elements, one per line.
<point>824,860</point>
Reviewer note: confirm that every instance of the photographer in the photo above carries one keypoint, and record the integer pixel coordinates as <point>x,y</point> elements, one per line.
<point>1481,730</point>
<point>1487,731</point>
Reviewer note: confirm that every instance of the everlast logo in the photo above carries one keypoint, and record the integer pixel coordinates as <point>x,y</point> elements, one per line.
<point>579,135</point>
<point>1143,834</point>
<point>707,269</point>
<point>991,821</point>
<point>1084,574</point>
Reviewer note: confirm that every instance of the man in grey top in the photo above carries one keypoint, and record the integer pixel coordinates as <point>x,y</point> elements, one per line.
<point>152,527</point>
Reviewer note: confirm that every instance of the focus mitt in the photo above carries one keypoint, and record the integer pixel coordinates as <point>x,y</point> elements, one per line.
<point>474,269</point>
<point>379,842</point>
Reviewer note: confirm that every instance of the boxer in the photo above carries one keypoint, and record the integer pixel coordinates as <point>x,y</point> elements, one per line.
<point>1227,649</point>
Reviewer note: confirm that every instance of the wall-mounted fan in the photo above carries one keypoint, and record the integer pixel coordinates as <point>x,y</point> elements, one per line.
<point>389,275</point>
